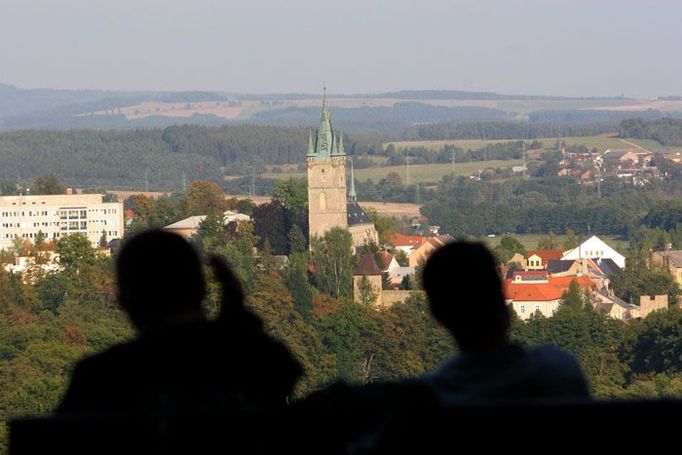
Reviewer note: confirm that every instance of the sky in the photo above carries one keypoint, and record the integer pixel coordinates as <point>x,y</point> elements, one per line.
<point>537,47</point>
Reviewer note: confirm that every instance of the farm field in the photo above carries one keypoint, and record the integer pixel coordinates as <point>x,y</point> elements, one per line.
<point>530,241</point>
<point>601,142</point>
<point>423,173</point>
<point>654,146</point>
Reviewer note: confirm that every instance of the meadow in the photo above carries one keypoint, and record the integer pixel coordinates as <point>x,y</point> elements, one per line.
<point>601,142</point>
<point>423,173</point>
<point>531,241</point>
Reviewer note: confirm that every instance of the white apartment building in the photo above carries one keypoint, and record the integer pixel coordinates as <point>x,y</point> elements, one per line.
<point>22,217</point>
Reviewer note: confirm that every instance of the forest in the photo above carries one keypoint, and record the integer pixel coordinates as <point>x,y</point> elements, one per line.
<point>667,131</point>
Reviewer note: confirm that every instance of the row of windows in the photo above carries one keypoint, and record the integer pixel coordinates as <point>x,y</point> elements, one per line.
<point>55,235</point>
<point>594,254</point>
<point>24,203</point>
<point>72,214</point>
<point>30,213</point>
<point>522,308</point>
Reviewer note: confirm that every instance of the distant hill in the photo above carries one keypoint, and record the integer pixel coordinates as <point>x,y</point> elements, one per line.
<point>463,95</point>
<point>55,108</point>
<point>390,119</point>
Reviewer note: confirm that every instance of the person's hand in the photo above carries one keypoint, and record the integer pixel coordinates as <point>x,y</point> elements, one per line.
<point>232,308</point>
<point>232,291</point>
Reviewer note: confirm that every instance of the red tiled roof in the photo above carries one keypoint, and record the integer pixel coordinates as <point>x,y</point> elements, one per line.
<point>386,258</point>
<point>532,292</point>
<point>129,213</point>
<point>552,290</point>
<point>398,239</point>
<point>565,281</point>
<point>546,255</point>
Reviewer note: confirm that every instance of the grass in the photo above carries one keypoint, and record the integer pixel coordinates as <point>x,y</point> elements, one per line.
<point>601,142</point>
<point>530,241</point>
<point>423,173</point>
<point>654,146</point>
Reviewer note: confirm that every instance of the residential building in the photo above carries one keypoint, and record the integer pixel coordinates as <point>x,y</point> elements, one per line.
<point>416,247</point>
<point>672,259</point>
<point>56,216</point>
<point>530,291</point>
<point>539,259</point>
<point>595,248</point>
<point>388,261</point>
<point>397,275</point>
<point>618,157</point>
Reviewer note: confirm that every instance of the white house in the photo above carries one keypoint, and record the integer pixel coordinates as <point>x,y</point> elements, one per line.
<point>593,248</point>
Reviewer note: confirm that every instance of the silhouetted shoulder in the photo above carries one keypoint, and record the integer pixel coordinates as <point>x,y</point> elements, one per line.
<point>510,373</point>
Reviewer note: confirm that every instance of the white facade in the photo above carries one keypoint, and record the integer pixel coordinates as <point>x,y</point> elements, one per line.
<point>594,247</point>
<point>526,308</point>
<point>22,217</point>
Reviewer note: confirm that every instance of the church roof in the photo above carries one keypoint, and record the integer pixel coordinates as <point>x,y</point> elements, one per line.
<point>327,141</point>
<point>355,215</point>
<point>367,266</point>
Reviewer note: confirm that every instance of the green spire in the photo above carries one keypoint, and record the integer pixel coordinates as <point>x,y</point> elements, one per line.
<point>352,195</point>
<point>335,144</point>
<point>325,139</point>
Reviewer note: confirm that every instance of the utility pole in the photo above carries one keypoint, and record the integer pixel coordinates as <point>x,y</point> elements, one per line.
<point>146,180</point>
<point>453,160</point>
<point>407,169</point>
<point>184,183</point>
<point>417,195</point>
<point>524,159</point>
<point>253,181</point>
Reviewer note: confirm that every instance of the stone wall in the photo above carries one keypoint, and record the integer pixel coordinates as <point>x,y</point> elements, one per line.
<point>392,297</point>
<point>649,303</point>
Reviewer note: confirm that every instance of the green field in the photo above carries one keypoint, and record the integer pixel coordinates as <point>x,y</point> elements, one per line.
<point>423,173</point>
<point>530,241</point>
<point>601,142</point>
<point>654,146</point>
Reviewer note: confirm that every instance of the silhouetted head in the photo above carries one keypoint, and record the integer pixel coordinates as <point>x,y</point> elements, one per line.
<point>160,280</point>
<point>465,294</point>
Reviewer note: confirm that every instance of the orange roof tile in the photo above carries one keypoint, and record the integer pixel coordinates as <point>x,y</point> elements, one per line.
<point>398,239</point>
<point>552,290</point>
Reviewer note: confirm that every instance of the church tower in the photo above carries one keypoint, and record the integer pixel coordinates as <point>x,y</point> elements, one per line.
<point>326,177</point>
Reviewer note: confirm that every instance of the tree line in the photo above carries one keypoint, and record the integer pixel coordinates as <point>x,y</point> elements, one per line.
<point>504,130</point>
<point>667,131</point>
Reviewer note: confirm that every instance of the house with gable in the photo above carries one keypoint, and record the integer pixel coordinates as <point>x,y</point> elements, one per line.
<point>594,248</point>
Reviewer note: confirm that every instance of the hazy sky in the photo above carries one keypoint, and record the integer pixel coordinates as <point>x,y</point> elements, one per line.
<point>558,47</point>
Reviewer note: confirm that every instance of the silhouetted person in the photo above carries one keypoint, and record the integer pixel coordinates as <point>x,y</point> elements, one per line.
<point>465,295</point>
<point>180,362</point>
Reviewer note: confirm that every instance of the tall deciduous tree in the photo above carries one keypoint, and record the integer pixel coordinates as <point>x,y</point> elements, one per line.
<point>75,251</point>
<point>296,279</point>
<point>333,258</point>
<point>271,224</point>
<point>204,196</point>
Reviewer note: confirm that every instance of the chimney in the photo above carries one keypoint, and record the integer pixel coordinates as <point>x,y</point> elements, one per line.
<point>69,191</point>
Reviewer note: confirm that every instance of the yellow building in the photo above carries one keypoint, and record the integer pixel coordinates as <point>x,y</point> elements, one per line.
<point>23,217</point>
